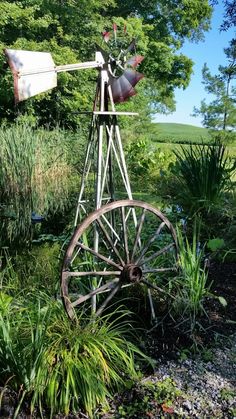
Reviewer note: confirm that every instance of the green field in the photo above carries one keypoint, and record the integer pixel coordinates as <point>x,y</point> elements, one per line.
<point>178,133</point>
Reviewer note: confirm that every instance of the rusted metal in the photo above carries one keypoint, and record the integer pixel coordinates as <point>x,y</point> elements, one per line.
<point>131,273</point>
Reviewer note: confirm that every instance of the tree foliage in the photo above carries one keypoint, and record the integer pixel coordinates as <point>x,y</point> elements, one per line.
<point>229,15</point>
<point>220,113</point>
<point>70,29</point>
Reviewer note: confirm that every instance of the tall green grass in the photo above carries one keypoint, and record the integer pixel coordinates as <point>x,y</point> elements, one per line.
<point>204,173</point>
<point>34,176</point>
<point>17,161</point>
<point>191,287</point>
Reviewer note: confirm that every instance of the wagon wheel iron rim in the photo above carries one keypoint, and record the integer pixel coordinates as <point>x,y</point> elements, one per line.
<point>137,245</point>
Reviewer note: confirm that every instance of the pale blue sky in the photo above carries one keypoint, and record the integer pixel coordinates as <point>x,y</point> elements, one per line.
<point>210,51</point>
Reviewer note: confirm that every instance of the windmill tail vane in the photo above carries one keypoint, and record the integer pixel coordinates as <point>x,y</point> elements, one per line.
<point>35,72</point>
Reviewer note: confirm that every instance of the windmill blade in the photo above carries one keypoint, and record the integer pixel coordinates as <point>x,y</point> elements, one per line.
<point>123,86</point>
<point>106,36</point>
<point>132,76</point>
<point>121,89</point>
<point>134,61</point>
<point>131,46</point>
<point>33,72</point>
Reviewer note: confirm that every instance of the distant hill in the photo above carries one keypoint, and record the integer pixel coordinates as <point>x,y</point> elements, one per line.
<point>178,133</point>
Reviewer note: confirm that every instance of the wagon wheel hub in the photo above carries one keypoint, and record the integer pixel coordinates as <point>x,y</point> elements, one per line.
<point>131,274</point>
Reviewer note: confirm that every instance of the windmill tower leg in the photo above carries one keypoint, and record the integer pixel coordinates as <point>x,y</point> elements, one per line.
<point>105,142</point>
<point>105,147</point>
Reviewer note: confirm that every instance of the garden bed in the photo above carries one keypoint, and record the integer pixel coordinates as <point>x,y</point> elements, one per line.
<point>183,383</point>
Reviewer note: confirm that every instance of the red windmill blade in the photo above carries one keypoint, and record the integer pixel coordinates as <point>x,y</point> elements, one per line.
<point>135,61</point>
<point>123,87</point>
<point>106,36</point>
<point>132,76</point>
<point>115,30</point>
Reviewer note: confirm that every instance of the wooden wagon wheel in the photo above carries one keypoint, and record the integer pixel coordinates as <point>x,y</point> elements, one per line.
<point>137,244</point>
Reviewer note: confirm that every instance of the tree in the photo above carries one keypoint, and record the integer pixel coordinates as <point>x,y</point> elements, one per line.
<point>220,113</point>
<point>230,15</point>
<point>70,29</point>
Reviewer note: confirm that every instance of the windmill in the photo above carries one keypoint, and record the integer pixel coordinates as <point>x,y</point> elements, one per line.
<point>121,243</point>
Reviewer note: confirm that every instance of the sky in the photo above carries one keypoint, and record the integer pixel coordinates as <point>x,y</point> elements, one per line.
<point>209,51</point>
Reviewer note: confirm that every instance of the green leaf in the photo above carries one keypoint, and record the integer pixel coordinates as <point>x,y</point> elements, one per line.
<point>215,244</point>
<point>222,301</point>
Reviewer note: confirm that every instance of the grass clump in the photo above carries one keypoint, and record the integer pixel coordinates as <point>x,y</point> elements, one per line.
<point>35,269</point>
<point>58,365</point>
<point>191,286</point>
<point>204,173</point>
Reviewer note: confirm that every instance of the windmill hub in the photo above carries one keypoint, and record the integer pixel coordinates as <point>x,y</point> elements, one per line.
<point>131,273</point>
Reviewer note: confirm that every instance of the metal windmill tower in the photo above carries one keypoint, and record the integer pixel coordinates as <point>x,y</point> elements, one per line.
<point>121,243</point>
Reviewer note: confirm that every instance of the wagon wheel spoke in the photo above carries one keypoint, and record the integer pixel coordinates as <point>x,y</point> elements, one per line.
<point>155,287</point>
<point>109,240</point>
<point>150,241</point>
<point>159,270</point>
<point>158,253</point>
<point>105,287</point>
<point>97,254</point>
<point>150,285</point>
<point>91,273</point>
<point>124,229</point>
<point>139,229</point>
<point>108,299</point>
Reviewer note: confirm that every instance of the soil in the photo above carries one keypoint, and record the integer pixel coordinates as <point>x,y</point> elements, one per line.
<point>170,337</point>
<point>223,277</point>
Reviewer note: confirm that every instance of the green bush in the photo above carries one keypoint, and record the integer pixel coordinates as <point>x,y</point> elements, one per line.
<point>150,399</point>
<point>147,165</point>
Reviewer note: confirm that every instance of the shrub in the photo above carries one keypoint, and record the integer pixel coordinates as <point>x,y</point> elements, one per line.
<point>150,399</point>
